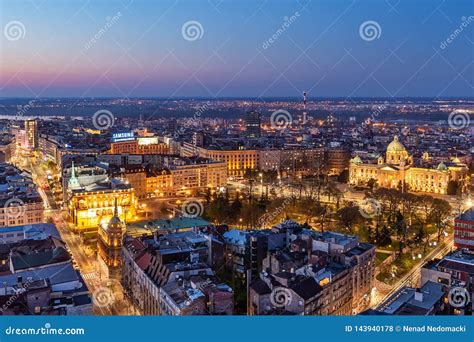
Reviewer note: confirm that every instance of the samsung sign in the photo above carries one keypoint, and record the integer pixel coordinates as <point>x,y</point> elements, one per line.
<point>125,136</point>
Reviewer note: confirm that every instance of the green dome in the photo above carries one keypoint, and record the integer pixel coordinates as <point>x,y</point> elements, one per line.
<point>442,166</point>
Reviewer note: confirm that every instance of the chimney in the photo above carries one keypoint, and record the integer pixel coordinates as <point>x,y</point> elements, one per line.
<point>418,296</point>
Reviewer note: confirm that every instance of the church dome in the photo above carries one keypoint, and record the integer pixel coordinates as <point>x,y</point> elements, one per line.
<point>396,146</point>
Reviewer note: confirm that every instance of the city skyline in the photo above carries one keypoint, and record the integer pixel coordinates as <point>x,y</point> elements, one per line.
<point>190,49</point>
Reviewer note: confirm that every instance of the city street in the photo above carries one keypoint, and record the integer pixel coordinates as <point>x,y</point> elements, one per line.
<point>108,295</point>
<point>412,278</point>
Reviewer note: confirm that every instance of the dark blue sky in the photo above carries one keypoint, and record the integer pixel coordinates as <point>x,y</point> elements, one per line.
<point>141,48</point>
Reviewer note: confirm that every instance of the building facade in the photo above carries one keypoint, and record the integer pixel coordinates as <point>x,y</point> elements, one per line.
<point>20,202</point>
<point>140,145</point>
<point>464,230</point>
<point>237,161</point>
<point>178,178</point>
<point>397,170</point>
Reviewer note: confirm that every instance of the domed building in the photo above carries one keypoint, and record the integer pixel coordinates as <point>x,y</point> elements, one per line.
<point>396,153</point>
<point>397,170</point>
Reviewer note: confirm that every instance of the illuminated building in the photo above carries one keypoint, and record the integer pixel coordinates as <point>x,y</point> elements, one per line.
<point>397,170</point>
<point>238,161</point>
<point>31,129</point>
<point>304,161</point>
<point>179,176</point>
<point>199,174</point>
<point>93,204</point>
<point>84,175</point>
<point>123,143</point>
<point>110,242</point>
<point>135,175</point>
<point>49,147</point>
<point>337,160</point>
<point>159,182</point>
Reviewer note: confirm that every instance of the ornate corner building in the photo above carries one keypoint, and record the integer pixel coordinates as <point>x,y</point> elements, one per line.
<point>398,170</point>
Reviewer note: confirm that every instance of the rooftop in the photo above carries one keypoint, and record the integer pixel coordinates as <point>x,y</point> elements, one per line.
<point>175,224</point>
<point>468,215</point>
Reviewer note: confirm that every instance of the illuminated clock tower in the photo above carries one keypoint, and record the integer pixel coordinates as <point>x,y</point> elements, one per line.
<point>110,243</point>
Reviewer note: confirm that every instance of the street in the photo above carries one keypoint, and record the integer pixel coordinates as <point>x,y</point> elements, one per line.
<point>108,295</point>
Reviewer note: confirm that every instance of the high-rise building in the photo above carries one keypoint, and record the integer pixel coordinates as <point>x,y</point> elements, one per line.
<point>252,123</point>
<point>199,139</point>
<point>31,129</point>
<point>305,113</point>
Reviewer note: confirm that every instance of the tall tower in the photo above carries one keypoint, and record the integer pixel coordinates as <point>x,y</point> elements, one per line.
<point>305,114</point>
<point>110,243</point>
<point>252,124</point>
<point>73,182</point>
<point>31,130</point>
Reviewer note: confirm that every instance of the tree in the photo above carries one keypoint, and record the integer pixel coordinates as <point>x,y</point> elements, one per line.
<point>384,238</point>
<point>250,214</point>
<point>421,237</point>
<point>371,183</point>
<point>439,215</point>
<point>250,175</point>
<point>400,228</point>
<point>409,204</point>
<point>321,212</point>
<point>348,217</point>
<point>208,196</point>
<point>390,199</point>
